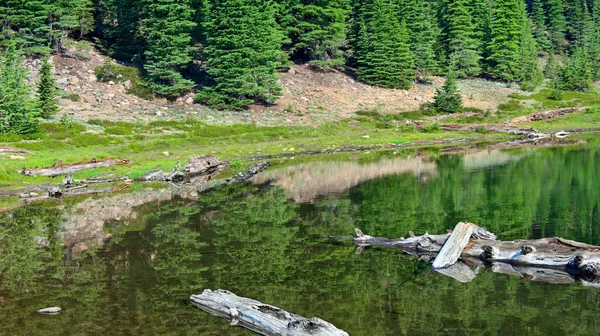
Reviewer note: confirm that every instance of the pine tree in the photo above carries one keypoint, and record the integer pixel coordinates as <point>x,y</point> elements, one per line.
<point>320,27</point>
<point>579,23</point>
<point>448,99</point>
<point>594,47</point>
<point>47,92</point>
<point>119,29</point>
<point>244,49</point>
<point>422,36</point>
<point>577,75</point>
<point>386,60</point>
<point>530,75</point>
<point>462,46</point>
<point>167,25</point>
<point>540,33</point>
<point>556,22</point>
<point>18,112</point>
<point>552,68</point>
<point>506,30</point>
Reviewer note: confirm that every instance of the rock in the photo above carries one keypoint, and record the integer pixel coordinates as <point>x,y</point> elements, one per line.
<point>127,84</point>
<point>291,71</point>
<point>17,157</point>
<point>91,78</point>
<point>166,153</point>
<point>189,101</point>
<point>50,310</point>
<point>33,194</point>
<point>74,80</point>
<point>366,136</point>
<point>304,98</point>
<point>62,82</point>
<point>111,83</point>
<point>55,192</point>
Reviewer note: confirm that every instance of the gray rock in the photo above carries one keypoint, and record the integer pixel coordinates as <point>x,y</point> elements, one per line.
<point>50,310</point>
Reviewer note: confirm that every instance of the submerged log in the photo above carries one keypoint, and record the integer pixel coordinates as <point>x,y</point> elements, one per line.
<point>58,169</point>
<point>554,255</point>
<point>261,318</point>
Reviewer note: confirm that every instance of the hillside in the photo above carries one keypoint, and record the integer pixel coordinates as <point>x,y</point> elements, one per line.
<point>310,96</point>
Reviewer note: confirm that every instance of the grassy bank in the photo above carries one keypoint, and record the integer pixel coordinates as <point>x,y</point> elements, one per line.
<point>159,144</point>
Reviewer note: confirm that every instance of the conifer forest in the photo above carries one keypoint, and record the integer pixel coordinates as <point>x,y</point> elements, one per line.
<point>230,51</point>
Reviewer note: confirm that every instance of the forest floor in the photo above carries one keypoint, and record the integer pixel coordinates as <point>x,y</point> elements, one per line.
<point>321,111</point>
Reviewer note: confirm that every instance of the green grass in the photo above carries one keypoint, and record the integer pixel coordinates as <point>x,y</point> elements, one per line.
<point>159,144</point>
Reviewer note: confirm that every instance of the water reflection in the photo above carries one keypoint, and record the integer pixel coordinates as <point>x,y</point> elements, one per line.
<point>260,241</point>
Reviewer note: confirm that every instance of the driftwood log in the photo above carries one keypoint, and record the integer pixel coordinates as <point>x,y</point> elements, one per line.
<point>59,169</point>
<point>553,260</point>
<point>261,318</point>
<point>200,168</point>
<point>9,150</point>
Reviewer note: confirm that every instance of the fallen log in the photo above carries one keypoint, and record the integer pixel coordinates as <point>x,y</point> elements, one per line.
<point>249,173</point>
<point>201,168</point>
<point>9,150</point>
<point>545,115</point>
<point>58,169</point>
<point>555,255</point>
<point>261,318</point>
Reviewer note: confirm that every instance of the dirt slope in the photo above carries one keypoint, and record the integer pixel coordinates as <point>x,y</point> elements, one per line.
<point>310,97</point>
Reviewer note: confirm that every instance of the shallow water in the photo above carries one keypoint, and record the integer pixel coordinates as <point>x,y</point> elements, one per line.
<point>125,264</point>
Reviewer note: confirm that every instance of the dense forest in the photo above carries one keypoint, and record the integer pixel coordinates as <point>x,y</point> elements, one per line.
<point>230,51</point>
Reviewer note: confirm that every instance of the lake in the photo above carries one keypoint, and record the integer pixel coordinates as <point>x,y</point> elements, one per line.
<point>125,264</point>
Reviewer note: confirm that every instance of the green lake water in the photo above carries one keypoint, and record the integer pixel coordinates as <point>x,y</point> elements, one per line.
<point>125,264</point>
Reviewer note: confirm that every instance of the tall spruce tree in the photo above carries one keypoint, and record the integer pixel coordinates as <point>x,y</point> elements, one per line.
<point>422,36</point>
<point>386,60</point>
<point>506,30</point>
<point>594,47</point>
<point>18,111</point>
<point>244,50</point>
<point>167,26</point>
<point>540,32</point>
<point>579,23</point>
<point>47,92</point>
<point>462,46</point>
<point>530,75</point>
<point>118,24</point>
<point>557,23</point>
<point>320,28</point>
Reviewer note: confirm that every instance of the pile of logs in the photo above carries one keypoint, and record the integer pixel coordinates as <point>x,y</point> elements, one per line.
<point>552,260</point>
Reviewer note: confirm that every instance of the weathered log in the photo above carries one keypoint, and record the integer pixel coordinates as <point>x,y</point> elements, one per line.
<point>261,318</point>
<point>566,257</point>
<point>59,169</point>
<point>250,172</point>
<point>9,150</point>
<point>454,245</point>
<point>204,167</point>
<point>546,115</point>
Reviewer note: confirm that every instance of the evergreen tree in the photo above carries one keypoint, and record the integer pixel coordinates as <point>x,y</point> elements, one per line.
<point>119,28</point>
<point>244,50</point>
<point>556,22</point>
<point>422,36</point>
<point>167,25</point>
<point>18,111</point>
<point>506,30</point>
<point>461,44</point>
<point>448,99</point>
<point>552,68</point>
<point>47,92</point>
<point>530,75</point>
<point>387,60</point>
<point>540,33</point>
<point>320,30</point>
<point>577,75</point>
<point>594,47</point>
<point>580,23</point>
